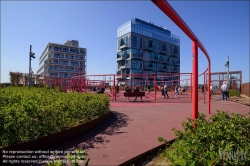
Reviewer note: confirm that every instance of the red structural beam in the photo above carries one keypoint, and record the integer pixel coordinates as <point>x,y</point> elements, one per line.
<point>173,15</point>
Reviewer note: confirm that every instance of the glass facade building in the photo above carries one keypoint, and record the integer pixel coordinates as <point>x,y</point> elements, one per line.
<point>144,48</point>
<point>63,60</point>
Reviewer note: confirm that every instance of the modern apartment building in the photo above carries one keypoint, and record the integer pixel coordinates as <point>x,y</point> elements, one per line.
<point>144,48</point>
<point>63,60</point>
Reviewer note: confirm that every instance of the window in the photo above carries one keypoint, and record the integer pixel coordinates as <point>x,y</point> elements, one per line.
<point>149,43</point>
<point>134,64</point>
<point>128,53</point>
<point>134,41</point>
<point>141,42</point>
<point>55,48</point>
<point>154,66</point>
<point>134,52</point>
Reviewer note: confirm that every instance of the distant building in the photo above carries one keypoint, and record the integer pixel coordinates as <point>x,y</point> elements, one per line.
<point>63,60</point>
<point>144,48</point>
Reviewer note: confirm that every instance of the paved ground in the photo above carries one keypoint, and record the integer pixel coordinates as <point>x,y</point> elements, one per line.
<point>134,126</point>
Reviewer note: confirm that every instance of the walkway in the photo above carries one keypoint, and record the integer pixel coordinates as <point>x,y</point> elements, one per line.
<point>134,127</point>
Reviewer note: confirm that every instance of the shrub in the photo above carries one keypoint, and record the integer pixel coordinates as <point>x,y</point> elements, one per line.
<point>30,114</point>
<point>234,93</point>
<point>212,142</point>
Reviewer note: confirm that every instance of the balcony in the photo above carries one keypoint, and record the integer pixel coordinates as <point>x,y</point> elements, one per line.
<point>173,55</point>
<point>147,67</point>
<point>148,48</point>
<point>165,60</point>
<point>176,63</point>
<point>125,46</point>
<point>153,59</point>
<point>163,52</point>
<point>136,56</point>
<point>121,57</point>
<point>124,66</point>
<point>164,69</point>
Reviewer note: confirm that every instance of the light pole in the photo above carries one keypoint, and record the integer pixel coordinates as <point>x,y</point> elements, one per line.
<point>31,56</point>
<point>227,66</point>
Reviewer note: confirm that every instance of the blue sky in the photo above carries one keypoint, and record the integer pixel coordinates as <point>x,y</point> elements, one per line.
<point>222,27</point>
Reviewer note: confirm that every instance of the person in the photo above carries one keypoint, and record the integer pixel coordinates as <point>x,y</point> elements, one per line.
<point>176,91</point>
<point>127,89</point>
<point>224,90</point>
<point>137,90</point>
<point>166,90</point>
<point>183,90</point>
<point>202,88</point>
<point>149,88</point>
<point>117,90</point>
<point>211,91</point>
<point>179,90</point>
<point>163,92</point>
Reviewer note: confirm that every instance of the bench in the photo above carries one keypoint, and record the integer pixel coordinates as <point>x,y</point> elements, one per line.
<point>133,94</point>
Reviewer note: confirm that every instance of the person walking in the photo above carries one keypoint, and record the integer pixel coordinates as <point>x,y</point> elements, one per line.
<point>163,92</point>
<point>176,91</point>
<point>224,90</point>
<point>211,91</point>
<point>166,90</point>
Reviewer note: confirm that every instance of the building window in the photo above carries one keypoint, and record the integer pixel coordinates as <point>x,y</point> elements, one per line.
<point>134,64</point>
<point>150,43</point>
<point>55,48</point>
<point>141,43</point>
<point>134,41</point>
<point>134,52</point>
<point>128,53</point>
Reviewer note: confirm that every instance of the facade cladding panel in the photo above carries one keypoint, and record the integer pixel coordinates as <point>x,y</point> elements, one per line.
<point>63,60</point>
<point>144,48</point>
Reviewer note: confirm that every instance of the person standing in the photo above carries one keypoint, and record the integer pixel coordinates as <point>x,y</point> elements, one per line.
<point>166,90</point>
<point>176,91</point>
<point>149,88</point>
<point>224,90</point>
<point>117,89</point>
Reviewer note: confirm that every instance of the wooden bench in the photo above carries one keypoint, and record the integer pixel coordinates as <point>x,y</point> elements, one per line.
<point>134,94</point>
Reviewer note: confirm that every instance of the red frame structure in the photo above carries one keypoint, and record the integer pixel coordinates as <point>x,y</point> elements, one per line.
<point>173,15</point>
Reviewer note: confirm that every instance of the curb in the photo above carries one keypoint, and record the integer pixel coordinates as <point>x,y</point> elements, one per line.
<point>139,157</point>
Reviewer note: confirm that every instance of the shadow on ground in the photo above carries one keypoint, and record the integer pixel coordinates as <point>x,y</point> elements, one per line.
<point>98,135</point>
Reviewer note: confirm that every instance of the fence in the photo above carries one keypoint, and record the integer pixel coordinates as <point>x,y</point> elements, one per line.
<point>245,89</point>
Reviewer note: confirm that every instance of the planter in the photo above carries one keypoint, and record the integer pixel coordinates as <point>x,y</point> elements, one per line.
<point>53,140</point>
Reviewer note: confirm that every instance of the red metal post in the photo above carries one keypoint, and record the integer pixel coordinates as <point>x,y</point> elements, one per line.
<point>208,82</point>
<point>115,88</point>
<point>204,89</point>
<point>191,80</point>
<point>155,85</point>
<point>195,81</point>
<point>113,92</point>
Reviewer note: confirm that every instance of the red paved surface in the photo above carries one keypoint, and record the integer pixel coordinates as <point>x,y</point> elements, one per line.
<point>134,127</point>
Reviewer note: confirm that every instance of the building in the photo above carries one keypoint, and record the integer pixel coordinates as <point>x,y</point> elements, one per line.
<point>63,60</point>
<point>217,79</point>
<point>144,48</point>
